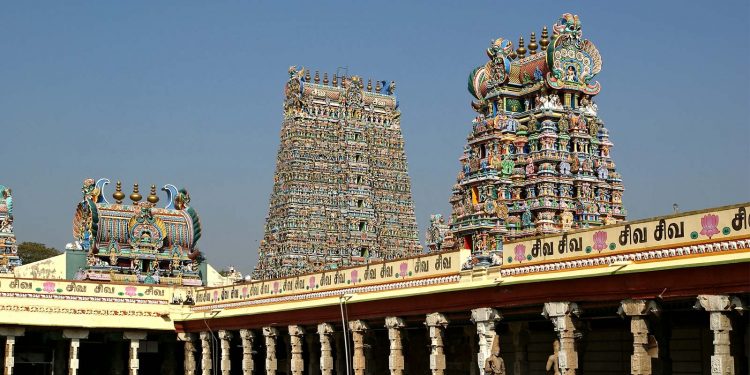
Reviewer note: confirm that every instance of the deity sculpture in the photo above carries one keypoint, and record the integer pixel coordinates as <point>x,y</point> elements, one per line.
<point>553,360</point>
<point>494,364</point>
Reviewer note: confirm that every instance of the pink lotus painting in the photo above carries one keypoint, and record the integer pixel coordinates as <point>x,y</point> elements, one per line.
<point>709,223</point>
<point>275,287</point>
<point>520,251</point>
<point>600,240</point>
<point>49,287</point>
<point>244,292</point>
<point>130,291</point>
<point>312,282</point>
<point>355,276</point>
<point>403,268</point>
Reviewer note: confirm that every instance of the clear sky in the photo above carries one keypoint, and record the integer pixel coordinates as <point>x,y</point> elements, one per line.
<point>190,93</point>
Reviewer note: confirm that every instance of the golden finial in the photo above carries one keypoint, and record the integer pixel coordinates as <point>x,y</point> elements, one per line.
<point>317,77</point>
<point>544,42</point>
<point>325,78</point>
<point>378,87</point>
<point>369,85</point>
<point>532,44</point>
<point>335,80</point>
<point>521,50</point>
<point>118,194</point>
<point>135,197</point>
<point>153,198</point>
<point>307,75</point>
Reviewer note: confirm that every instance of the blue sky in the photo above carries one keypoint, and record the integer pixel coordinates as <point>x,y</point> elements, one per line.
<point>190,93</point>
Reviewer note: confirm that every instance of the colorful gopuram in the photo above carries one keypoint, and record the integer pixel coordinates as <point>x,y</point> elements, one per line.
<point>138,242</point>
<point>341,193</point>
<point>8,248</point>
<point>538,155</point>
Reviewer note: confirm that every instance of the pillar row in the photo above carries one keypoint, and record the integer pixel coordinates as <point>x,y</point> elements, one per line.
<point>325,333</point>
<point>247,337</point>
<point>565,358</point>
<point>75,336</point>
<point>296,335</point>
<point>10,334</point>
<point>270,334</point>
<point>206,363</point>
<point>395,327</point>
<point>189,340</point>
<point>226,339</point>
<point>637,310</point>
<point>358,328</point>
<point>719,307</point>
<point>135,338</point>
<point>436,324</point>
<point>485,319</point>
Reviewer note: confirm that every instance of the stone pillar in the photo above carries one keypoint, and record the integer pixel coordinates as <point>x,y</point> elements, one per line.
<point>485,319</point>
<point>396,356</point>
<point>247,337</point>
<point>561,314</point>
<point>206,364</point>
<point>722,362</point>
<point>270,334</point>
<point>189,340</point>
<point>226,340</point>
<point>640,360</point>
<point>325,331</point>
<point>358,328</point>
<point>519,332</point>
<point>436,323</point>
<point>135,337</point>
<point>296,334</point>
<point>10,334</point>
<point>75,336</point>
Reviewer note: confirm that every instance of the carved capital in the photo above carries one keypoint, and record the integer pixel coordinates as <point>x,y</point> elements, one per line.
<point>270,332</point>
<point>436,320</point>
<point>225,335</point>
<point>392,322</point>
<point>358,326</point>
<point>637,307</point>
<point>185,336</point>
<point>485,314</point>
<point>557,309</point>
<point>296,330</point>
<point>713,303</point>
<point>325,329</point>
<point>205,335</point>
<point>247,334</point>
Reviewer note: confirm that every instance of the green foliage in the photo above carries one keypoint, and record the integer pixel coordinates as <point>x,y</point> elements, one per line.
<point>30,252</point>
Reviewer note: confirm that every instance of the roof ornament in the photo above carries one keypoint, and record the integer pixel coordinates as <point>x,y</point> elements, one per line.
<point>135,196</point>
<point>118,195</point>
<point>172,193</point>
<point>532,44</point>
<point>521,50</point>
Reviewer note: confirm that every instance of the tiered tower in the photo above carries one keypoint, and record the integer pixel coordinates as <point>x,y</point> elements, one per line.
<point>341,193</point>
<point>538,156</point>
<point>8,248</point>
<point>138,242</point>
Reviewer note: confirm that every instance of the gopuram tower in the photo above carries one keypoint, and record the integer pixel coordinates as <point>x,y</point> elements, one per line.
<point>538,155</point>
<point>341,193</point>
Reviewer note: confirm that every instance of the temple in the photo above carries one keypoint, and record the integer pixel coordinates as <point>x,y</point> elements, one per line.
<point>538,156</point>
<point>8,249</point>
<point>568,287</point>
<point>137,242</point>
<point>341,193</point>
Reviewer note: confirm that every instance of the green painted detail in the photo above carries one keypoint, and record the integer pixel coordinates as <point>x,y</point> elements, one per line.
<point>726,231</point>
<point>588,249</point>
<point>612,246</point>
<point>694,235</point>
<point>510,259</point>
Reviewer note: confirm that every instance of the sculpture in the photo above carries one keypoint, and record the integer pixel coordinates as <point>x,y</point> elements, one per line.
<point>494,364</point>
<point>553,363</point>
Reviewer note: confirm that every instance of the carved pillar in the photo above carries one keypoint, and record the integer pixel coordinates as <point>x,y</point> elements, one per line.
<point>226,339</point>
<point>270,334</point>
<point>325,331</point>
<point>436,323</point>
<point>75,336</point>
<point>10,334</point>
<point>358,328</point>
<point>206,364</point>
<point>189,340</point>
<point>135,338</point>
<point>561,314</point>
<point>485,319</point>
<point>396,356</point>
<point>722,362</point>
<point>247,337</point>
<point>296,334</point>
<point>640,360</point>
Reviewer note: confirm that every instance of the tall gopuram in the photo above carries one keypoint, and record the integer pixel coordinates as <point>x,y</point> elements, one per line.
<point>538,155</point>
<point>341,193</point>
<point>138,242</point>
<point>8,248</point>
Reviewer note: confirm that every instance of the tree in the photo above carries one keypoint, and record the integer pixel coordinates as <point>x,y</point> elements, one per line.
<point>30,252</point>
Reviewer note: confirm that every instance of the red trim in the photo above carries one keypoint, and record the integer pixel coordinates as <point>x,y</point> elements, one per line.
<point>667,284</point>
